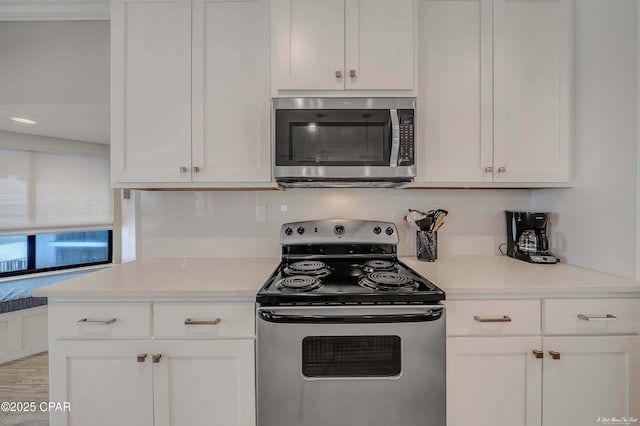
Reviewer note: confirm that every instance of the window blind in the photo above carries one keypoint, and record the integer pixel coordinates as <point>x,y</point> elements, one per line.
<point>48,192</point>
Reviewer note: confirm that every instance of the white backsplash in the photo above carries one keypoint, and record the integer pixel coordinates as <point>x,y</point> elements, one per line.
<point>228,224</point>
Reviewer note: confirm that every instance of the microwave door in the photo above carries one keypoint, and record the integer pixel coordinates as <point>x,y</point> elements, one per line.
<point>342,138</point>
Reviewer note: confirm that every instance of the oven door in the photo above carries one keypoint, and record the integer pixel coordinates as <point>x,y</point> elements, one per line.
<point>351,366</point>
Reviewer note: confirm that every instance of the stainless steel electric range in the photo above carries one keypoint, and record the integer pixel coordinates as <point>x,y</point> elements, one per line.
<point>347,334</point>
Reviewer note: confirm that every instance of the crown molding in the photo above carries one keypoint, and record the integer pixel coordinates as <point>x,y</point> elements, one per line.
<point>54,10</point>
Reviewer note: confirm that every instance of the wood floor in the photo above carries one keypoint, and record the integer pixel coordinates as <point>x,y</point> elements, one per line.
<point>25,380</point>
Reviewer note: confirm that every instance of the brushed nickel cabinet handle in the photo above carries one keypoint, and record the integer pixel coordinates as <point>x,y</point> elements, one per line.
<point>352,73</point>
<point>607,317</point>
<point>488,169</point>
<point>183,169</point>
<point>190,321</point>
<point>142,357</point>
<point>502,169</point>
<point>538,354</point>
<point>156,358</point>
<point>85,321</point>
<point>338,74</point>
<point>504,318</point>
<point>554,354</point>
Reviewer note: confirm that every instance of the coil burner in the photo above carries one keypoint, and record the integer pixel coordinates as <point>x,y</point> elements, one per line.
<point>298,283</point>
<point>308,267</point>
<point>386,281</point>
<point>379,265</point>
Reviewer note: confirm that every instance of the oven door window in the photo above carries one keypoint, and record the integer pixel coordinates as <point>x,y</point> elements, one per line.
<point>333,137</point>
<point>351,356</point>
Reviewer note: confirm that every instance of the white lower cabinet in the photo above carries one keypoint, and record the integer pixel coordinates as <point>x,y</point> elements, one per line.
<point>204,383</point>
<point>493,381</point>
<point>594,378</point>
<point>203,380</point>
<point>103,381</point>
<point>497,379</point>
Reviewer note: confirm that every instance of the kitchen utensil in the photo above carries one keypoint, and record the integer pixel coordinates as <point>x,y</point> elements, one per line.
<point>424,224</point>
<point>439,213</point>
<point>439,222</point>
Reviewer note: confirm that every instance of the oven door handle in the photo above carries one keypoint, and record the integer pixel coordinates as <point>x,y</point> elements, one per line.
<point>271,316</point>
<point>395,138</point>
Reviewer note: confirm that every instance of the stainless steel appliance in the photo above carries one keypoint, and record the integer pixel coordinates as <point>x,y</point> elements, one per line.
<point>344,142</point>
<point>348,335</point>
<point>527,237</point>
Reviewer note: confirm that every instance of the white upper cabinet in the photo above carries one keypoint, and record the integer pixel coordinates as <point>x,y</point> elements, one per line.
<point>190,93</point>
<point>495,103</point>
<point>455,84</point>
<point>150,90</point>
<point>343,44</point>
<point>379,44</point>
<point>308,44</point>
<point>231,84</point>
<point>533,60</point>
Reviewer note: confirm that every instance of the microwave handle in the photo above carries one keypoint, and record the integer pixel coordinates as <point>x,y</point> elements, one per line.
<point>395,138</point>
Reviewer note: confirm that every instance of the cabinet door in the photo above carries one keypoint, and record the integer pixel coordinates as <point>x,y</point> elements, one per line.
<point>205,383</point>
<point>533,60</point>
<point>379,44</point>
<point>231,91</point>
<point>103,381</point>
<point>308,44</point>
<point>595,377</point>
<point>455,129</point>
<point>151,90</point>
<point>493,381</point>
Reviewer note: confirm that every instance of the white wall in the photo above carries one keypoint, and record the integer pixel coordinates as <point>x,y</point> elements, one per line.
<point>224,223</point>
<point>595,221</point>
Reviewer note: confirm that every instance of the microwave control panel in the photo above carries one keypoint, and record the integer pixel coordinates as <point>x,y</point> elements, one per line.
<point>407,140</point>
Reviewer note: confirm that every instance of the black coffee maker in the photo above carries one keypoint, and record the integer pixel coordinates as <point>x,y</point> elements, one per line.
<point>527,237</point>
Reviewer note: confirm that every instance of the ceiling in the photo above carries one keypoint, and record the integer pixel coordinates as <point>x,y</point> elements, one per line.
<point>87,123</point>
<point>57,74</point>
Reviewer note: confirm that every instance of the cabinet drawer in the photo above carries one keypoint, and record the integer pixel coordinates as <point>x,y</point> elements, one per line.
<point>203,320</point>
<point>100,320</point>
<point>493,317</point>
<point>591,316</point>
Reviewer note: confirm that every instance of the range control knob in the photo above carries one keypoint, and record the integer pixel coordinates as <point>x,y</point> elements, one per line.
<point>301,230</point>
<point>288,231</point>
<point>377,230</point>
<point>389,231</point>
<point>338,229</point>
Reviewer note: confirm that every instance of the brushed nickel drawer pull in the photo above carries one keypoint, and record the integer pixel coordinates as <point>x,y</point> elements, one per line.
<point>85,321</point>
<point>156,358</point>
<point>538,354</point>
<point>142,357</point>
<point>504,318</point>
<point>554,354</point>
<point>189,321</point>
<point>607,317</point>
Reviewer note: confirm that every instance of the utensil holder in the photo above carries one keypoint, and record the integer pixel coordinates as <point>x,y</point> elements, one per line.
<point>427,246</point>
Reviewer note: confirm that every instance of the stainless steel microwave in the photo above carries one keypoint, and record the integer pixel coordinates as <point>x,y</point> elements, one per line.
<point>344,142</point>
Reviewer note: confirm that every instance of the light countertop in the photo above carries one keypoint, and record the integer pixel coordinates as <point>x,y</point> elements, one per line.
<point>170,277</point>
<point>464,276</point>
<point>240,278</point>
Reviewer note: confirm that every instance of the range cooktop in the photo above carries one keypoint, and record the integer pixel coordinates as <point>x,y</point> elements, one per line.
<point>345,262</point>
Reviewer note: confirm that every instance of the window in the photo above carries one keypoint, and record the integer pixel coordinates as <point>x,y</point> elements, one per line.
<point>13,254</point>
<point>27,254</point>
